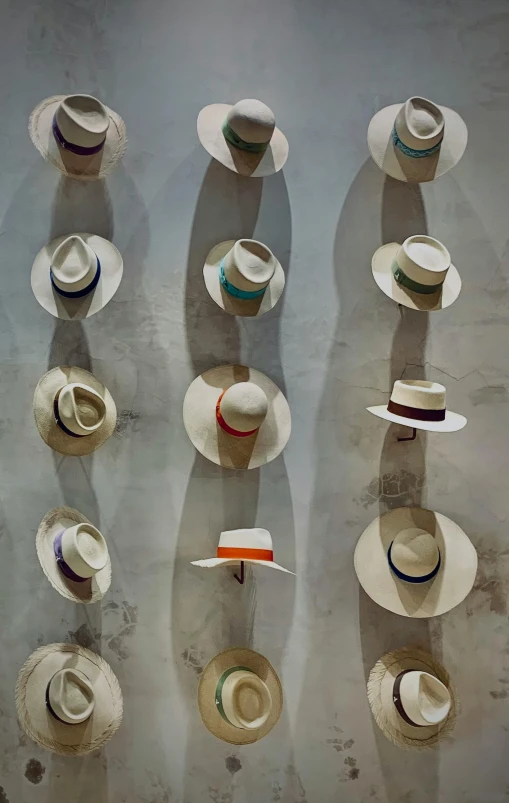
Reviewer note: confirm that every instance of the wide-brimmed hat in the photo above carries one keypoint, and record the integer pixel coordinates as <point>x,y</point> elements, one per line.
<point>237,417</point>
<point>420,404</point>
<point>75,276</point>
<point>415,562</point>
<point>74,412</point>
<point>68,700</point>
<point>417,140</point>
<point>243,277</point>
<point>412,698</point>
<point>418,273</point>
<point>79,135</point>
<point>243,137</point>
<point>240,696</point>
<point>249,545</point>
<point>73,555</point>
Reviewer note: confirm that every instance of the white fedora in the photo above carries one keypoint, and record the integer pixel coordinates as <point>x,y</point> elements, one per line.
<point>418,273</point>
<point>239,696</point>
<point>75,276</point>
<point>420,404</point>
<point>243,277</point>
<point>237,417</point>
<point>79,135</point>
<point>243,137</point>
<point>412,699</point>
<point>249,545</point>
<point>68,700</point>
<point>73,555</point>
<point>415,562</point>
<point>417,140</point>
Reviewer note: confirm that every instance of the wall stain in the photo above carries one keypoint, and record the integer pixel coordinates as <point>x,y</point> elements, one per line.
<point>493,394</point>
<point>233,764</point>
<point>3,796</point>
<point>351,771</point>
<point>85,637</point>
<point>217,797</point>
<point>395,488</point>
<point>129,619</point>
<point>34,771</point>
<point>193,658</point>
<point>124,421</point>
<point>490,581</point>
<point>499,695</point>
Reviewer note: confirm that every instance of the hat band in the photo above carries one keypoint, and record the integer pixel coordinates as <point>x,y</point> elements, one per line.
<point>237,142</point>
<point>244,554</point>
<point>408,578</point>
<point>412,152</point>
<point>48,705</point>
<point>396,698</point>
<point>62,565</point>
<point>219,689</point>
<point>410,284</point>
<point>59,420</point>
<point>235,291</point>
<point>79,293</point>
<point>415,412</point>
<point>79,150</point>
<point>222,423</point>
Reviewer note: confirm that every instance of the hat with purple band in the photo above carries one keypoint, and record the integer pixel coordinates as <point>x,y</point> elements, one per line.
<point>419,404</point>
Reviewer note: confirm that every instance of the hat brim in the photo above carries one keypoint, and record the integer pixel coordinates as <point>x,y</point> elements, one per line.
<point>380,694</point>
<point>72,309</point>
<point>212,719</point>
<point>50,432</point>
<point>213,442</point>
<point>210,563</point>
<point>381,267</point>
<point>256,165</point>
<point>449,587</point>
<point>452,422</point>
<point>83,168</point>
<point>240,306</point>
<point>405,168</point>
<point>41,726</point>
<point>53,523</point>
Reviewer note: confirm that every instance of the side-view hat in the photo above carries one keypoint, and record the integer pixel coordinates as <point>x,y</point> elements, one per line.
<point>417,140</point>
<point>79,135</point>
<point>249,545</point>
<point>75,276</point>
<point>417,273</point>
<point>420,404</point>
<point>239,696</point>
<point>243,137</point>
<point>243,277</point>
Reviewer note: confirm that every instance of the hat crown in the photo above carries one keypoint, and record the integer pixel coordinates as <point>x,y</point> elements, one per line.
<point>74,264</point>
<point>244,406</point>
<point>415,552</point>
<point>83,120</point>
<point>246,699</point>
<point>420,123</point>
<point>424,259</point>
<point>252,538</point>
<point>81,409</point>
<point>71,696</point>
<point>249,265</point>
<point>425,699</point>
<point>419,393</point>
<point>84,549</point>
<point>252,120</point>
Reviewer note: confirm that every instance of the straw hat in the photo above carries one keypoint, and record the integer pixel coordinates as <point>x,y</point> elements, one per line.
<point>250,545</point>
<point>243,277</point>
<point>79,135</point>
<point>419,404</point>
<point>412,699</point>
<point>240,696</point>
<point>415,562</point>
<point>73,555</point>
<point>68,699</point>
<point>416,140</point>
<point>243,137</point>
<point>74,412</point>
<point>417,274</point>
<point>237,417</point>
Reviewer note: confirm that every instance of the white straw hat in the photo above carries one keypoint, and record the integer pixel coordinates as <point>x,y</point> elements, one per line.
<point>243,277</point>
<point>417,274</point>
<point>243,137</point>
<point>75,276</point>
<point>237,417</point>
<point>416,140</point>
<point>78,135</point>
<point>239,696</point>
<point>415,562</point>
<point>74,412</point>
<point>412,699</point>
<point>68,700</point>
<point>249,545</point>
<point>420,404</point>
<point>73,555</point>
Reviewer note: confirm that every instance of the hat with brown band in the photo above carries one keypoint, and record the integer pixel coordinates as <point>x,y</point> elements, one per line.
<point>420,404</point>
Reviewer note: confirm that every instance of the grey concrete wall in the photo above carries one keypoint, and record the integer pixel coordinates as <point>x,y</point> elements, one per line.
<point>335,344</point>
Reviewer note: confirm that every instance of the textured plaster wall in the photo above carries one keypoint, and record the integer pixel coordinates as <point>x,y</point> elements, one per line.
<point>335,344</point>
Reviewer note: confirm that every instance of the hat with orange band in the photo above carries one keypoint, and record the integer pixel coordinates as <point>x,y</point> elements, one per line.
<point>251,545</point>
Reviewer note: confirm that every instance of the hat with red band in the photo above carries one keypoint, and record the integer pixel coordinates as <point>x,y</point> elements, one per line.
<point>249,545</point>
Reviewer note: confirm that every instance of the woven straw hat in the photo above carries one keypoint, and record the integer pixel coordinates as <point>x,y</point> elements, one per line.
<point>416,141</point>
<point>240,686</point>
<point>421,697</point>
<point>420,404</point>
<point>248,545</point>
<point>78,135</point>
<point>415,562</point>
<point>417,273</point>
<point>72,554</point>
<point>237,417</point>
<point>75,276</point>
<point>85,410</point>
<point>99,686</point>
<point>243,277</point>
<point>243,137</point>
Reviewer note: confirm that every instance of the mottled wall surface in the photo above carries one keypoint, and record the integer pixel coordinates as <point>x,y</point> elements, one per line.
<point>334,344</point>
